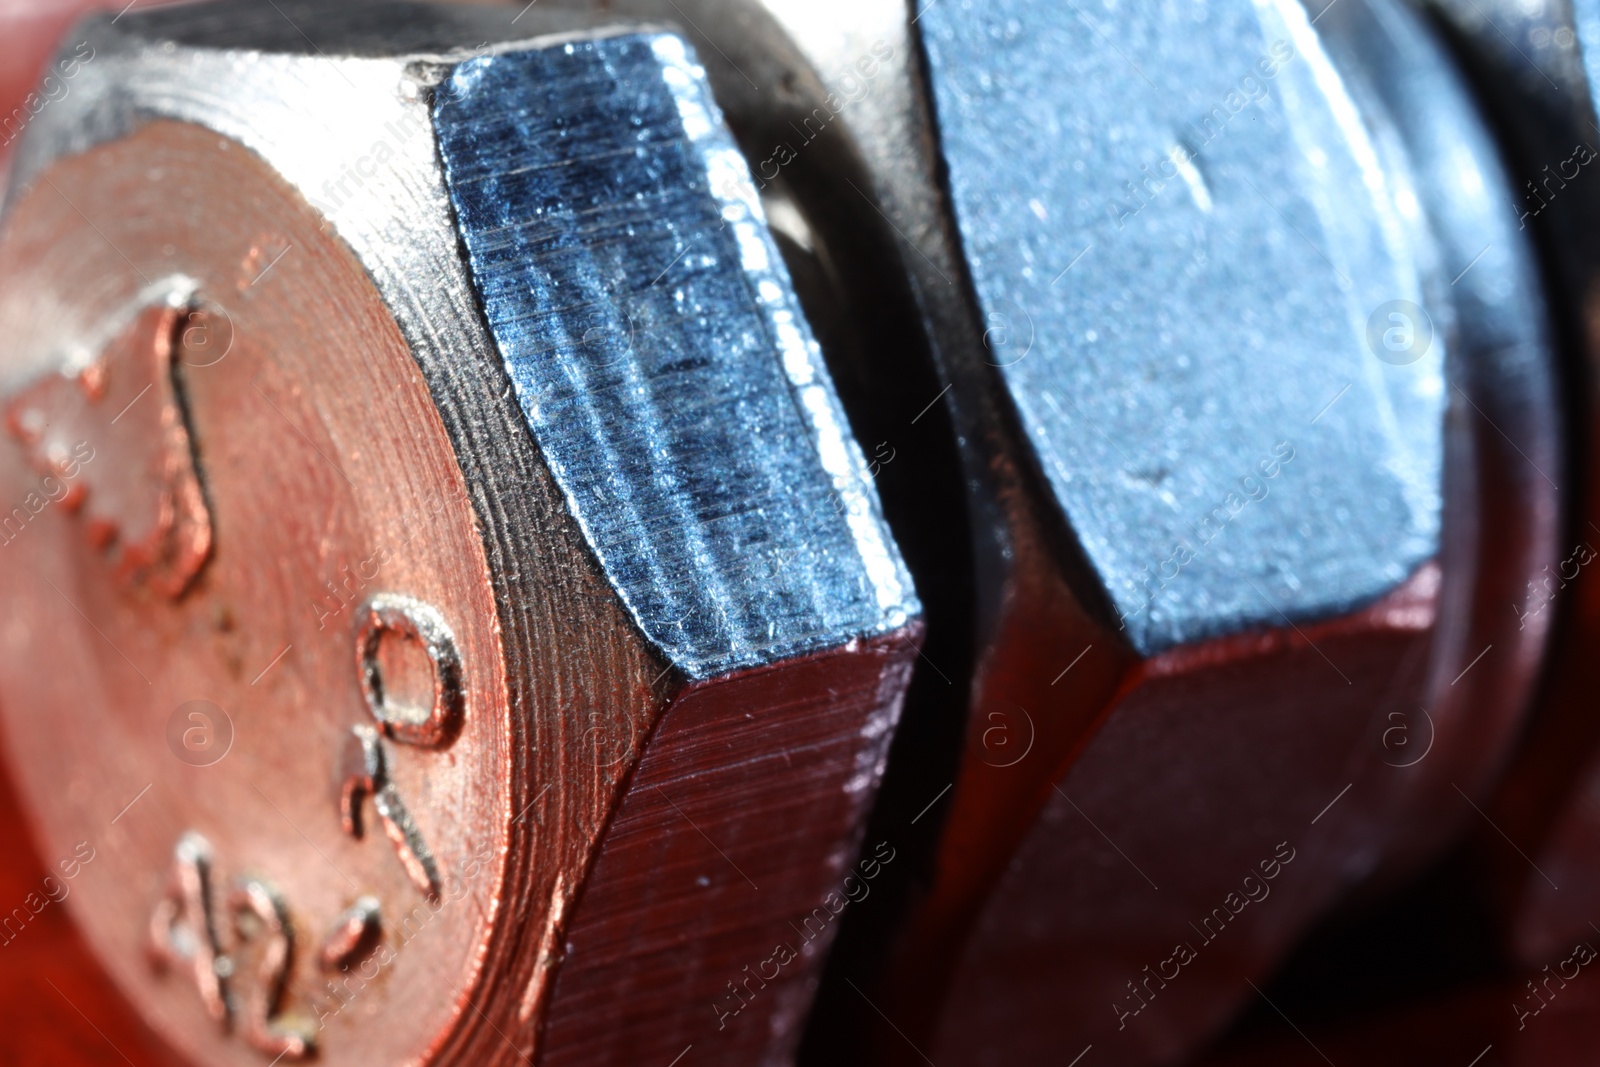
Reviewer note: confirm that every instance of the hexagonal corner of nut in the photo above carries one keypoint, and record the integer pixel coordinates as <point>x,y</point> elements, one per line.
<point>553,226</point>
<point>335,96</point>
<point>639,305</point>
<point>660,354</point>
<point>1229,455</point>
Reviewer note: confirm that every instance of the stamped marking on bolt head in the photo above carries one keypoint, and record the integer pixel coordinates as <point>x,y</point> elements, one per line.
<point>318,335</point>
<point>364,773</point>
<point>392,626</point>
<point>259,915</point>
<point>352,935</point>
<point>182,933</point>
<point>144,505</point>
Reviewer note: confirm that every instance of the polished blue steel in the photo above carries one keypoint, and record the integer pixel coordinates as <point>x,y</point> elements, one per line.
<point>657,349</point>
<point>1178,229</point>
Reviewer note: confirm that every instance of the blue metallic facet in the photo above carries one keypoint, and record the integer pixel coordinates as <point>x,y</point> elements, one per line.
<point>1586,20</point>
<point>1181,238</point>
<point>658,351</point>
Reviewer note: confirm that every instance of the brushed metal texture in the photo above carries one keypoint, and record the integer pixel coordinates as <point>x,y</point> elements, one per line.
<point>655,343</point>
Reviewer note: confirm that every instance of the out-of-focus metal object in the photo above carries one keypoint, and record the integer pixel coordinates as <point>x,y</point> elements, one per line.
<point>1334,202</point>
<point>1537,68</point>
<point>1168,384</point>
<point>415,399</point>
<point>1247,362</point>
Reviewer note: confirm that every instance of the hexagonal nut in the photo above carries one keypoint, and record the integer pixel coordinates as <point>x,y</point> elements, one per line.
<point>1539,65</point>
<point>1251,374</point>
<point>1288,387</point>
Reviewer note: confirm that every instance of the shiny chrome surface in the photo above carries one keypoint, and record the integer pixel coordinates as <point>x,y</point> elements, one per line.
<point>657,349</point>
<point>733,511</point>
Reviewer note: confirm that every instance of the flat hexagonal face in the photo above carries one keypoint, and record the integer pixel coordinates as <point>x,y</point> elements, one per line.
<point>660,356</point>
<point>1201,290</point>
<point>191,737</point>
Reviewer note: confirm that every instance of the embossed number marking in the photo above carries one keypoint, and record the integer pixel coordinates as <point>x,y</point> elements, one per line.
<point>259,915</point>
<point>404,623</point>
<point>366,773</point>
<point>182,932</point>
<point>393,628</point>
<point>143,505</point>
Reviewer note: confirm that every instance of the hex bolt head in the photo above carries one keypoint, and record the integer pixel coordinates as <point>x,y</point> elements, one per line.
<point>516,523</point>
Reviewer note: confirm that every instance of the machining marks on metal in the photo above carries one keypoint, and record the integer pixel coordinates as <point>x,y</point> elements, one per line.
<point>1196,289</point>
<point>310,119</point>
<point>659,353</point>
<point>142,503</point>
<point>394,629</point>
<point>364,772</point>
<point>265,448</point>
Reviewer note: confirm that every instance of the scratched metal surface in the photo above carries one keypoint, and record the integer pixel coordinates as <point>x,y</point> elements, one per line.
<point>785,522</point>
<point>659,353</point>
<point>1221,301</point>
